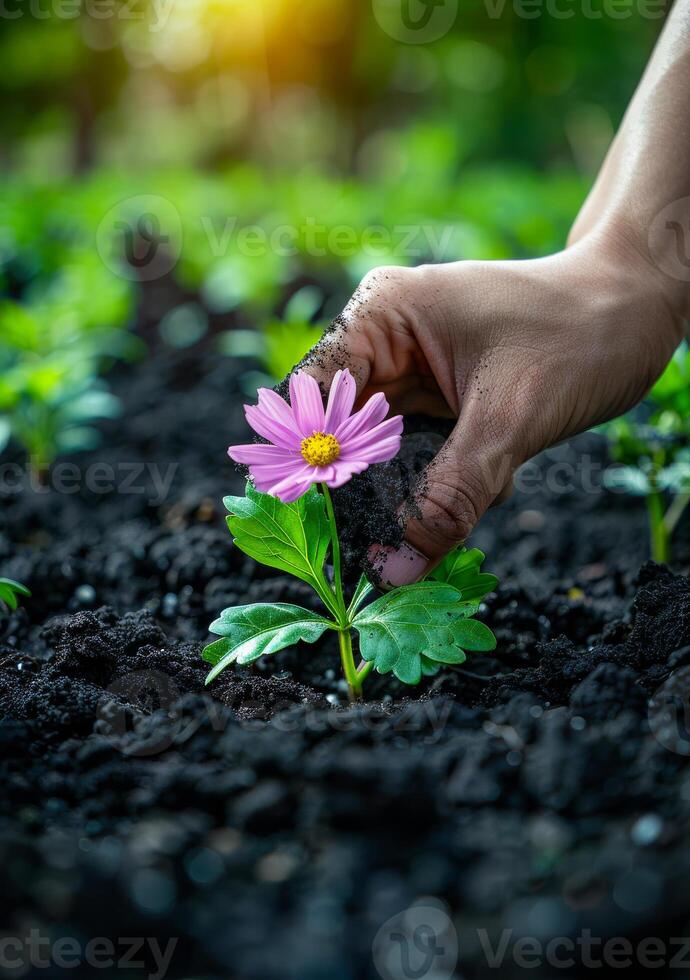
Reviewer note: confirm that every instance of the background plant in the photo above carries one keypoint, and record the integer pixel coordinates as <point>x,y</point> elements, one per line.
<point>9,593</point>
<point>652,446</point>
<point>50,392</point>
<point>279,344</point>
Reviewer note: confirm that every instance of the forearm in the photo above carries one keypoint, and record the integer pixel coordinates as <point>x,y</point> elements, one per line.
<point>648,167</point>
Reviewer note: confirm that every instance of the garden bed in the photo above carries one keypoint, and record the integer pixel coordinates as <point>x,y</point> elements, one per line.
<point>269,827</point>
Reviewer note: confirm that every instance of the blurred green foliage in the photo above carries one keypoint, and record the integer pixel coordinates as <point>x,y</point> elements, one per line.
<point>266,146</point>
<point>652,446</point>
<point>280,344</point>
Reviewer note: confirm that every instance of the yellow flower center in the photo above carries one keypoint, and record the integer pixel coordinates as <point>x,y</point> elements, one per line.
<point>320,449</point>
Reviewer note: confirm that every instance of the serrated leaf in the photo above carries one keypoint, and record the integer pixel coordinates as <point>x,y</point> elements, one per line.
<point>252,631</point>
<point>472,635</point>
<point>429,667</point>
<point>461,569</point>
<point>291,537</point>
<point>408,629</point>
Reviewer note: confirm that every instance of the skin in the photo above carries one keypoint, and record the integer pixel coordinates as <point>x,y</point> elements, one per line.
<point>526,354</point>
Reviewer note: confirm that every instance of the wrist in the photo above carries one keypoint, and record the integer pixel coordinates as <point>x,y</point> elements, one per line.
<point>617,249</point>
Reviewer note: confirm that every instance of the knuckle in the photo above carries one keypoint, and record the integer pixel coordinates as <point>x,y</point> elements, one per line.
<point>449,510</point>
<point>385,279</point>
<point>383,296</point>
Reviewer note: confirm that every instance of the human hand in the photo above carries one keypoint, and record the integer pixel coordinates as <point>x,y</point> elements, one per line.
<point>523,355</point>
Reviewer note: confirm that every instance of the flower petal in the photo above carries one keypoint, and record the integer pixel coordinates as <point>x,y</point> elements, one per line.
<point>371,413</point>
<point>392,427</point>
<point>293,486</point>
<point>267,426</point>
<point>307,403</point>
<point>379,452</point>
<point>275,406</point>
<point>341,398</point>
<point>265,477</point>
<point>256,452</point>
<point>322,474</point>
<point>345,469</point>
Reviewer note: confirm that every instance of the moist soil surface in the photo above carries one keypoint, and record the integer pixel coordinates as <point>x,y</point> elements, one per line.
<point>270,829</point>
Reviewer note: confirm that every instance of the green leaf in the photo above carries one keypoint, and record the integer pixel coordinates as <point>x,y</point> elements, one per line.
<point>364,588</point>
<point>5,431</point>
<point>408,629</point>
<point>286,345</point>
<point>629,478</point>
<point>291,537</point>
<point>675,477</point>
<point>303,305</point>
<point>429,667</point>
<point>250,632</point>
<point>9,590</point>
<point>8,597</point>
<point>461,569</point>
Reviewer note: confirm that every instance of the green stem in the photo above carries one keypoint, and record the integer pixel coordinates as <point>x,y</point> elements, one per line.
<point>658,535</point>
<point>335,548</point>
<point>675,511</point>
<point>364,669</point>
<point>354,681</point>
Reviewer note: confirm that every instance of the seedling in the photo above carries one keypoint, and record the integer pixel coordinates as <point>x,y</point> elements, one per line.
<point>286,520</point>
<point>654,454</point>
<point>49,390</point>
<point>9,590</point>
<point>280,344</point>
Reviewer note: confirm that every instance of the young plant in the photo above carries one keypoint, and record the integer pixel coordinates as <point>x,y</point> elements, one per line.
<point>9,590</point>
<point>280,344</point>
<point>49,389</point>
<point>286,520</point>
<point>653,453</point>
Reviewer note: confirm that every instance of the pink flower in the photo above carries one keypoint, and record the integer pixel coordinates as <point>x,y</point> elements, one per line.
<point>308,444</point>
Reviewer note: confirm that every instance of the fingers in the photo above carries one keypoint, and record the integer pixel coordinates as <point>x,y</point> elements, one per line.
<point>455,490</point>
<point>342,346</point>
<point>360,339</point>
<point>346,343</point>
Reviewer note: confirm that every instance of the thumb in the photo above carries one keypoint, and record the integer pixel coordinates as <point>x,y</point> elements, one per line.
<point>453,492</point>
<point>355,338</point>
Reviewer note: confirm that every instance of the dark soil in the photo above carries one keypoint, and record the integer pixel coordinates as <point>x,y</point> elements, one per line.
<point>262,822</point>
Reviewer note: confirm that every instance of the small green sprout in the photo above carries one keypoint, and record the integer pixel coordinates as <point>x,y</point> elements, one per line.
<point>49,389</point>
<point>9,590</point>
<point>280,344</point>
<point>654,453</point>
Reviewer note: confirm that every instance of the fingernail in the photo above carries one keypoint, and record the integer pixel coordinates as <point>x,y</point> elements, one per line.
<point>397,566</point>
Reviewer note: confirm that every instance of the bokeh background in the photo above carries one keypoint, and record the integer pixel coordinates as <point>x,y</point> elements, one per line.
<point>242,163</point>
